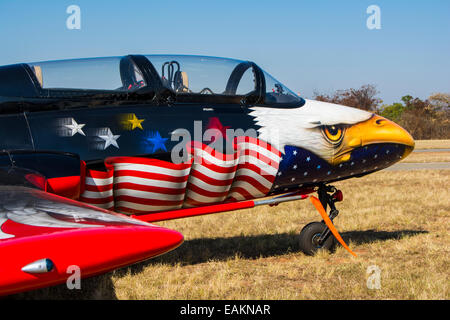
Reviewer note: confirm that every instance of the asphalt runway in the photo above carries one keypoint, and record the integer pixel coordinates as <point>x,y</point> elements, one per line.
<point>419,166</point>
<point>422,166</point>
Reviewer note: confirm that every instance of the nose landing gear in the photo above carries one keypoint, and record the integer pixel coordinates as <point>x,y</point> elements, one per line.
<point>323,235</point>
<point>310,238</point>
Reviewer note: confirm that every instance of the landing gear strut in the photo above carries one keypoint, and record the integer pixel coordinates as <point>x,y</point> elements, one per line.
<point>317,235</point>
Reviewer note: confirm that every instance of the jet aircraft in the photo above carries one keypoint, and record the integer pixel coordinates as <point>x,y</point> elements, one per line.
<point>95,150</point>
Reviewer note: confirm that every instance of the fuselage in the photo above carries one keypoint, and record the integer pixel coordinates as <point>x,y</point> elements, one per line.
<point>316,142</point>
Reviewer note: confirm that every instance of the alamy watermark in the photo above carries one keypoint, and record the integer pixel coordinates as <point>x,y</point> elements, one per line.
<point>73,21</point>
<point>374,277</point>
<point>373,22</point>
<point>74,280</point>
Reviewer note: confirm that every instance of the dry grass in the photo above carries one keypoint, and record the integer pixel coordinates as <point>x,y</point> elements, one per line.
<point>395,220</point>
<point>432,144</point>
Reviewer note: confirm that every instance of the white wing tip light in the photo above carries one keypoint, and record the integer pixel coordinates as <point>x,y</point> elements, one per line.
<point>39,266</point>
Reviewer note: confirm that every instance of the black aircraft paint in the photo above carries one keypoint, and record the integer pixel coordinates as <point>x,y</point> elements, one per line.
<point>36,119</point>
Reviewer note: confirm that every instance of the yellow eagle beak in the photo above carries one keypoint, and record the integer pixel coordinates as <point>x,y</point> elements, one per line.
<point>375,130</point>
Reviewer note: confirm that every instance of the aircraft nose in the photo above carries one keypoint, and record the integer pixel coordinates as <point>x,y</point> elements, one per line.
<point>381,130</point>
<point>376,130</point>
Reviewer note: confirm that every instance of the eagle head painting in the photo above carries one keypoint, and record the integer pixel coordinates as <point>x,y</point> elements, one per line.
<point>323,142</point>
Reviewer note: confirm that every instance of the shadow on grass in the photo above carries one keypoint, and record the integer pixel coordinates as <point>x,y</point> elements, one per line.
<point>203,250</point>
<point>253,247</point>
<point>368,236</point>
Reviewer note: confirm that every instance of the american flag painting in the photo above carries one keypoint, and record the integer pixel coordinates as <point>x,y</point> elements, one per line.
<point>211,176</point>
<point>256,171</point>
<point>98,189</point>
<point>136,185</point>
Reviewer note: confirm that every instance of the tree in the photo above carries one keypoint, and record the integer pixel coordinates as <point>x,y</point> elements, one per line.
<point>440,101</point>
<point>423,119</point>
<point>362,98</point>
<point>392,112</point>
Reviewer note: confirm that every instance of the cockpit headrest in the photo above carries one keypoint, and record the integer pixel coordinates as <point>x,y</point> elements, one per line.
<point>38,72</point>
<point>181,82</point>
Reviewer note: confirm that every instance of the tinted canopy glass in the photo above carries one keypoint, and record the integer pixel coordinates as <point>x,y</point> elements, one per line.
<point>200,75</point>
<point>191,78</point>
<point>114,73</point>
<point>279,94</point>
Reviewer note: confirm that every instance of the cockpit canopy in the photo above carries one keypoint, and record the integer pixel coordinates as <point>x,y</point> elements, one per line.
<point>184,78</point>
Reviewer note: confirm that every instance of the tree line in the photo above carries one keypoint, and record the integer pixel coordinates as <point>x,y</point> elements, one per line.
<point>424,119</point>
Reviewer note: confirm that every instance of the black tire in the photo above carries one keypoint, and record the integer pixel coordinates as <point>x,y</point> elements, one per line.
<point>308,236</point>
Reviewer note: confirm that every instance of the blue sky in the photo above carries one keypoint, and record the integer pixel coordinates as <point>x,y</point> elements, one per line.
<point>308,45</point>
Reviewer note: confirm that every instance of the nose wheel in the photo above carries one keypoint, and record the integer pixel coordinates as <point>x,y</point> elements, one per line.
<point>310,238</point>
<point>317,235</point>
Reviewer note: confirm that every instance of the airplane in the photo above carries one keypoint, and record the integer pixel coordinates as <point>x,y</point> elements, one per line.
<point>95,150</point>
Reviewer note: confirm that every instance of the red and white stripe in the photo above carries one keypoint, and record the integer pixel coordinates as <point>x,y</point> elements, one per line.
<point>98,189</point>
<point>212,175</point>
<point>142,185</point>
<point>257,169</point>
<point>148,185</point>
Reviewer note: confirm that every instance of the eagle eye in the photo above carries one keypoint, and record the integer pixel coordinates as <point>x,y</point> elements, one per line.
<point>334,134</point>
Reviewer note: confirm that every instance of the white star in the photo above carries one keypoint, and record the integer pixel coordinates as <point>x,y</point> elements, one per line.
<point>295,152</point>
<point>110,139</point>
<point>292,179</point>
<point>75,128</point>
<point>294,167</point>
<point>308,159</point>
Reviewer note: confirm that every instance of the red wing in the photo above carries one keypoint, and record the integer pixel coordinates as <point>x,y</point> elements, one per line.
<point>46,234</point>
